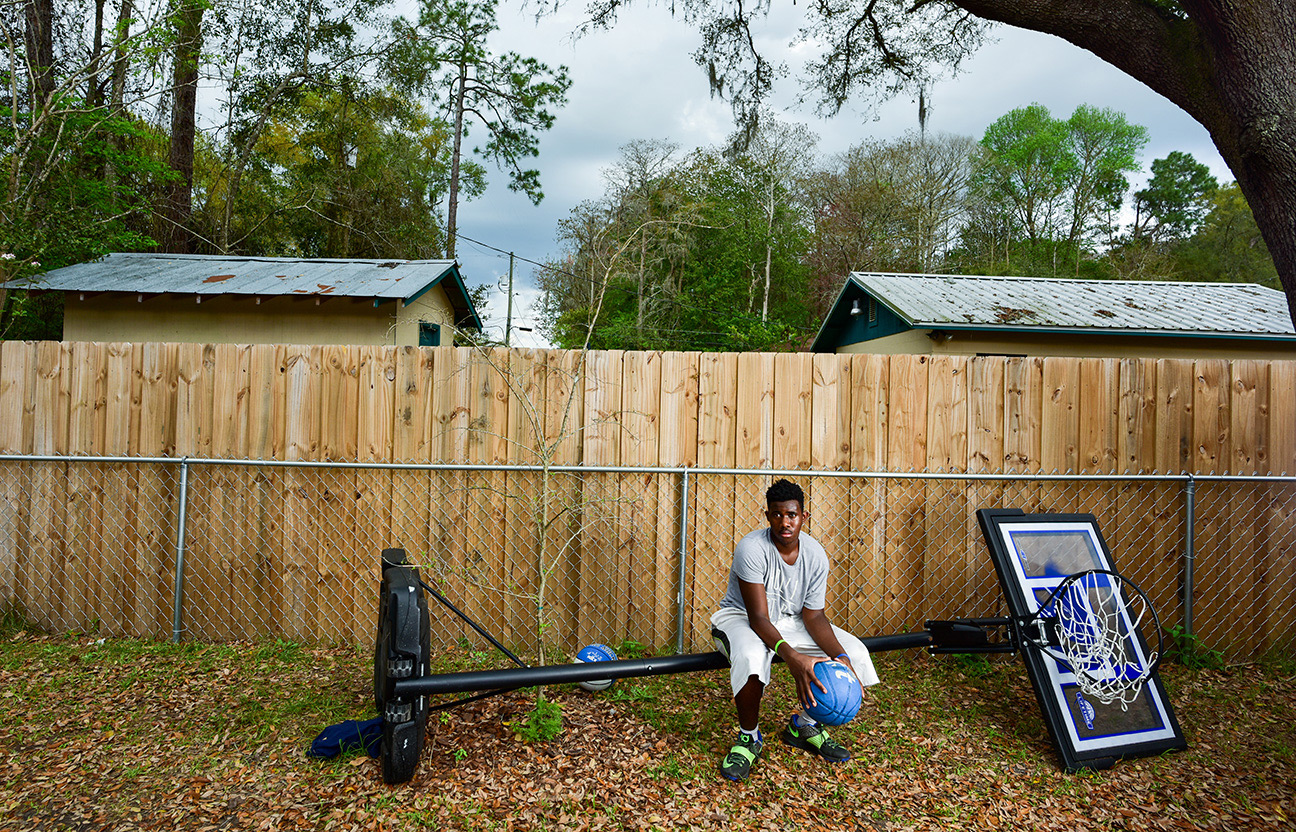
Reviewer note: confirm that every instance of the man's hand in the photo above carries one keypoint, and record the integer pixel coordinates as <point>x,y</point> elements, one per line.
<point>801,667</point>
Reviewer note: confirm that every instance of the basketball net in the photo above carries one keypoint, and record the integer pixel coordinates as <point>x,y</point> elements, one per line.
<point>1094,626</point>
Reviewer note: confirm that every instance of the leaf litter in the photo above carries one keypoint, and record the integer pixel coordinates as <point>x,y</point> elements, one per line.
<point>137,736</point>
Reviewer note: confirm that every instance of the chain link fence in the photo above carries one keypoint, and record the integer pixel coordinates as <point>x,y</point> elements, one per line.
<point>221,550</point>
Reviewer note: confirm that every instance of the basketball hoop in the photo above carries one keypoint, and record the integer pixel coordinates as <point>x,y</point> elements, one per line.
<point>1091,623</point>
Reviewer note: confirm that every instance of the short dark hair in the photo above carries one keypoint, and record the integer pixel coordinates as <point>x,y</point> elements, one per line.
<point>782,491</point>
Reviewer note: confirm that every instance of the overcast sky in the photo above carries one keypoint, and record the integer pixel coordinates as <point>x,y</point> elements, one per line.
<point>638,81</point>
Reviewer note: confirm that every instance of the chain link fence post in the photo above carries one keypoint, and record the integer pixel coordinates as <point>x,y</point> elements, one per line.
<point>680,598</point>
<point>177,620</point>
<point>1190,509</point>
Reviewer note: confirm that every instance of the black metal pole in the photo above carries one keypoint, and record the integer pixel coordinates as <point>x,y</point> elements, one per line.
<point>513,678</point>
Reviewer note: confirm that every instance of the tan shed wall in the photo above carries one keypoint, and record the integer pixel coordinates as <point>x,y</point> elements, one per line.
<point>239,319</point>
<point>917,342</point>
<point>433,307</point>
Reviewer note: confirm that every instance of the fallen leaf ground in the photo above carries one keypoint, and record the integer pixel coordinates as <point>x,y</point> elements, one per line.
<point>128,735</point>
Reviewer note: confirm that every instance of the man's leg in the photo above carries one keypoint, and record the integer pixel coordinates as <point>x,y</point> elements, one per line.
<point>738,762</point>
<point>749,661</point>
<point>747,702</point>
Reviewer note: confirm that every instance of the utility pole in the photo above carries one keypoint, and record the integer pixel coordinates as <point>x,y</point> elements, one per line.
<point>508,318</point>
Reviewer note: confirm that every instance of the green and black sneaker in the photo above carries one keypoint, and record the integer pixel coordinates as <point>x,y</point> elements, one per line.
<point>815,739</point>
<point>738,762</point>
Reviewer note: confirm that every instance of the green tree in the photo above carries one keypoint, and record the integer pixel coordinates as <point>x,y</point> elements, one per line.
<point>693,241</point>
<point>344,172</point>
<point>1027,167</point>
<point>1228,246</point>
<point>892,205</point>
<point>1227,63</point>
<point>1061,182</point>
<point>76,174</point>
<point>277,58</point>
<point>775,159</point>
<point>511,97</point>
<point>1106,148</point>
<point>1176,200</point>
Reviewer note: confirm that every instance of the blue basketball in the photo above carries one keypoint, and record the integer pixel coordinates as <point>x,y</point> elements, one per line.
<point>841,702</point>
<point>596,653</point>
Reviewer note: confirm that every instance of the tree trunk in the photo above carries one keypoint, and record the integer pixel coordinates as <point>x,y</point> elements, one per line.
<point>452,209</point>
<point>1229,65</point>
<point>39,32</point>
<point>179,197</point>
<point>94,87</point>
<point>121,61</point>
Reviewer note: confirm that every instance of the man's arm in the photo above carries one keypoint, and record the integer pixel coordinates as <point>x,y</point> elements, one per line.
<point>799,664</point>
<point>821,630</point>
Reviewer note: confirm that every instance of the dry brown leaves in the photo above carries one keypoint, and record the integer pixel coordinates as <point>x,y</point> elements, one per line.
<point>156,747</point>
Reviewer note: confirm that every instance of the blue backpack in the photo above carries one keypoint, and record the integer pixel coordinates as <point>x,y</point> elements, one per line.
<point>349,737</point>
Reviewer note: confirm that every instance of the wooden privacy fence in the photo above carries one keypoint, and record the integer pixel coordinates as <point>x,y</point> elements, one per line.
<point>298,550</point>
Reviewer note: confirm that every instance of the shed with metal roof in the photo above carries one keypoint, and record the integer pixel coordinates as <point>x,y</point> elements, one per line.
<point>220,299</point>
<point>974,315</point>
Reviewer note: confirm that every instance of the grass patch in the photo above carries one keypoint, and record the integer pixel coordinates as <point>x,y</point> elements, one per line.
<point>541,724</point>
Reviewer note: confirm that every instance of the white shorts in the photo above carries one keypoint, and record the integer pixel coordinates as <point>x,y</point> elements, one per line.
<point>748,655</point>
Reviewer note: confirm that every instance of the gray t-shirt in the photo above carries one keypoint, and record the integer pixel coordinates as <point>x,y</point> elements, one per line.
<point>788,589</point>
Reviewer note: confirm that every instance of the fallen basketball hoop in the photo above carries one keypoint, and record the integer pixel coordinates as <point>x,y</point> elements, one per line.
<point>1095,630</point>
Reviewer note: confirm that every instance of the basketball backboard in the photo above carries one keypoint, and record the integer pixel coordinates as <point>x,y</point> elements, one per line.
<point>1032,554</point>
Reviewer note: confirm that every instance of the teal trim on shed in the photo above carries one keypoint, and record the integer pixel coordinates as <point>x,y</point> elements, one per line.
<point>842,328</point>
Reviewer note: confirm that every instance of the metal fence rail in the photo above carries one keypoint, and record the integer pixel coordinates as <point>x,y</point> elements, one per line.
<point>218,550</point>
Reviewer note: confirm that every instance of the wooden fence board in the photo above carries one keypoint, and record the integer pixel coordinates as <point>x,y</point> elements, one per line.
<point>1215,571</point>
<point>1153,512</point>
<point>335,509</point>
<point>986,450</point>
<point>946,573</point>
<point>528,570</point>
<point>1174,420</point>
<point>260,565</point>
<point>601,612</point>
<point>374,527</point>
<point>84,556</point>
<point>1248,433</point>
<point>43,580</point>
<point>1098,421</point>
<point>1277,613</point>
<point>637,511</point>
<point>119,505</point>
<point>831,511</point>
<point>564,405</point>
<point>303,379</point>
<point>210,570</point>
<point>451,558</point>
<point>17,359</point>
<point>865,571</point>
<point>755,413</point>
<point>714,499</point>
<point>156,487</point>
<point>677,447</point>
<point>487,501</point>
<point>906,503</point>
<point>416,440</point>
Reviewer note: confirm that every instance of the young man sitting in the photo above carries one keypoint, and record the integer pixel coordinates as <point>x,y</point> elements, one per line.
<point>774,605</point>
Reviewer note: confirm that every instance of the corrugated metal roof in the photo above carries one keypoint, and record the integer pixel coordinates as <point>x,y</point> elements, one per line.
<point>1122,306</point>
<point>219,275</point>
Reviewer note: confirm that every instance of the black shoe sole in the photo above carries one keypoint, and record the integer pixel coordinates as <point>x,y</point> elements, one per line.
<point>794,741</point>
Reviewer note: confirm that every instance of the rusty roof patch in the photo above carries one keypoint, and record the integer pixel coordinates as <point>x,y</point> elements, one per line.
<point>1008,315</point>
<point>218,278</point>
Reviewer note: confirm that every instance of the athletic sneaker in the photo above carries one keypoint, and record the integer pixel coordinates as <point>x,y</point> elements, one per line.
<point>738,762</point>
<point>815,739</point>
